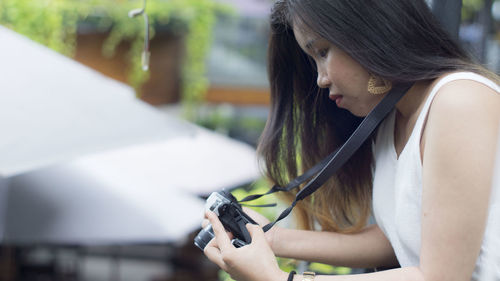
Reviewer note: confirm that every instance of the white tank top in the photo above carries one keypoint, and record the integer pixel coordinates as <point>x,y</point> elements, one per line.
<point>397,186</point>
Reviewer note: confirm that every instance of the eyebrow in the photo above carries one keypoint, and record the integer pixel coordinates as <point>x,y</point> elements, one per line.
<point>310,43</point>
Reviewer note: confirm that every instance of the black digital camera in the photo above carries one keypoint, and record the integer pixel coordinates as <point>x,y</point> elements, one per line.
<point>232,217</point>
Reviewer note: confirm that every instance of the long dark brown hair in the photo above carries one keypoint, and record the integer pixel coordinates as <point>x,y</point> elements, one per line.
<point>399,40</point>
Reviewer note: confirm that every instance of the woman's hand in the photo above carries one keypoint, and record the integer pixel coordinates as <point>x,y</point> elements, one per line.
<point>252,262</point>
<point>257,217</point>
<point>271,234</point>
<point>261,220</point>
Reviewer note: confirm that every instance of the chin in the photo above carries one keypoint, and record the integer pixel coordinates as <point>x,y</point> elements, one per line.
<point>362,111</point>
<point>358,112</point>
<point>360,115</point>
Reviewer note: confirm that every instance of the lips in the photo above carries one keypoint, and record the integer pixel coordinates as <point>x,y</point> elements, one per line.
<point>336,98</point>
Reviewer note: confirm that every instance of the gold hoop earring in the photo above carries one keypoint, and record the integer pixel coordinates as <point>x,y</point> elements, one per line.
<point>378,85</point>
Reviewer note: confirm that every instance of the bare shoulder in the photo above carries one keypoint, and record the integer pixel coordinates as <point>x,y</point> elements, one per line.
<point>466,94</point>
<point>466,101</point>
<point>464,114</point>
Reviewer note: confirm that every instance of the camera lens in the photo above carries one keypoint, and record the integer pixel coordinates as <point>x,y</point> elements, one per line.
<point>204,236</point>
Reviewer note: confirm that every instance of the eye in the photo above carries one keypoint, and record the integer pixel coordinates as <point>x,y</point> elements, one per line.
<point>323,53</point>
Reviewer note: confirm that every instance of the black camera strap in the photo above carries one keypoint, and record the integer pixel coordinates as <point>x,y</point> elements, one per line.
<point>296,182</point>
<point>322,171</point>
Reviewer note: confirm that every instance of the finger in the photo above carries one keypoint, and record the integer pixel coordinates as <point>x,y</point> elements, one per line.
<point>221,235</point>
<point>214,255</point>
<point>204,223</point>
<point>255,231</point>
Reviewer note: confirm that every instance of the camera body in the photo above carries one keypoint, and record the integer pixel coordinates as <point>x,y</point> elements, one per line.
<point>232,217</point>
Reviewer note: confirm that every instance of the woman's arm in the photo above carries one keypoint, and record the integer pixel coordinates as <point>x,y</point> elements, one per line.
<point>256,261</point>
<point>459,149</point>
<point>366,249</point>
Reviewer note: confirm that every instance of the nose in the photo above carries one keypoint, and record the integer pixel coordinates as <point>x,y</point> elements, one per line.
<point>323,81</point>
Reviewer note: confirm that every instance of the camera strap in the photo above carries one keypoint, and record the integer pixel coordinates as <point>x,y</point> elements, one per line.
<point>322,171</point>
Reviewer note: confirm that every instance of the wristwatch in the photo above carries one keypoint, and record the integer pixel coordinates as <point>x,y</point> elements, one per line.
<point>308,276</point>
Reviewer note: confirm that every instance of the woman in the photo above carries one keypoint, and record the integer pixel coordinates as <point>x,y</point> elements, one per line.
<point>426,173</point>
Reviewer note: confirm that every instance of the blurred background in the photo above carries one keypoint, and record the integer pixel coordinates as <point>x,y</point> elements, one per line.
<point>105,165</point>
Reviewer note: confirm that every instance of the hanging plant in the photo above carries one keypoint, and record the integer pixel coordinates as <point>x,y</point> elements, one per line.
<point>54,23</point>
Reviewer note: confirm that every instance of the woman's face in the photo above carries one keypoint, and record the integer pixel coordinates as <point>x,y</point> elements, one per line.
<point>346,79</point>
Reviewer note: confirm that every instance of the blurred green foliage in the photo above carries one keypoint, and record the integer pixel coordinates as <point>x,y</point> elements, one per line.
<point>226,119</point>
<point>470,8</point>
<point>328,269</point>
<point>54,23</point>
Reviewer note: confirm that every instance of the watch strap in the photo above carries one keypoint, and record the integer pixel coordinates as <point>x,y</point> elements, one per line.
<point>308,276</point>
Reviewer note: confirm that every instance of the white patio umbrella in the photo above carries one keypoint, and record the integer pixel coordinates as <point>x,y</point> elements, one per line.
<point>83,161</point>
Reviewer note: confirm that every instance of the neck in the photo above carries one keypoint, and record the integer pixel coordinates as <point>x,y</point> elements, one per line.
<point>414,98</point>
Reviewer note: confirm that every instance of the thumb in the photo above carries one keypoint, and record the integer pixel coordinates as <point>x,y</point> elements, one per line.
<point>255,231</point>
